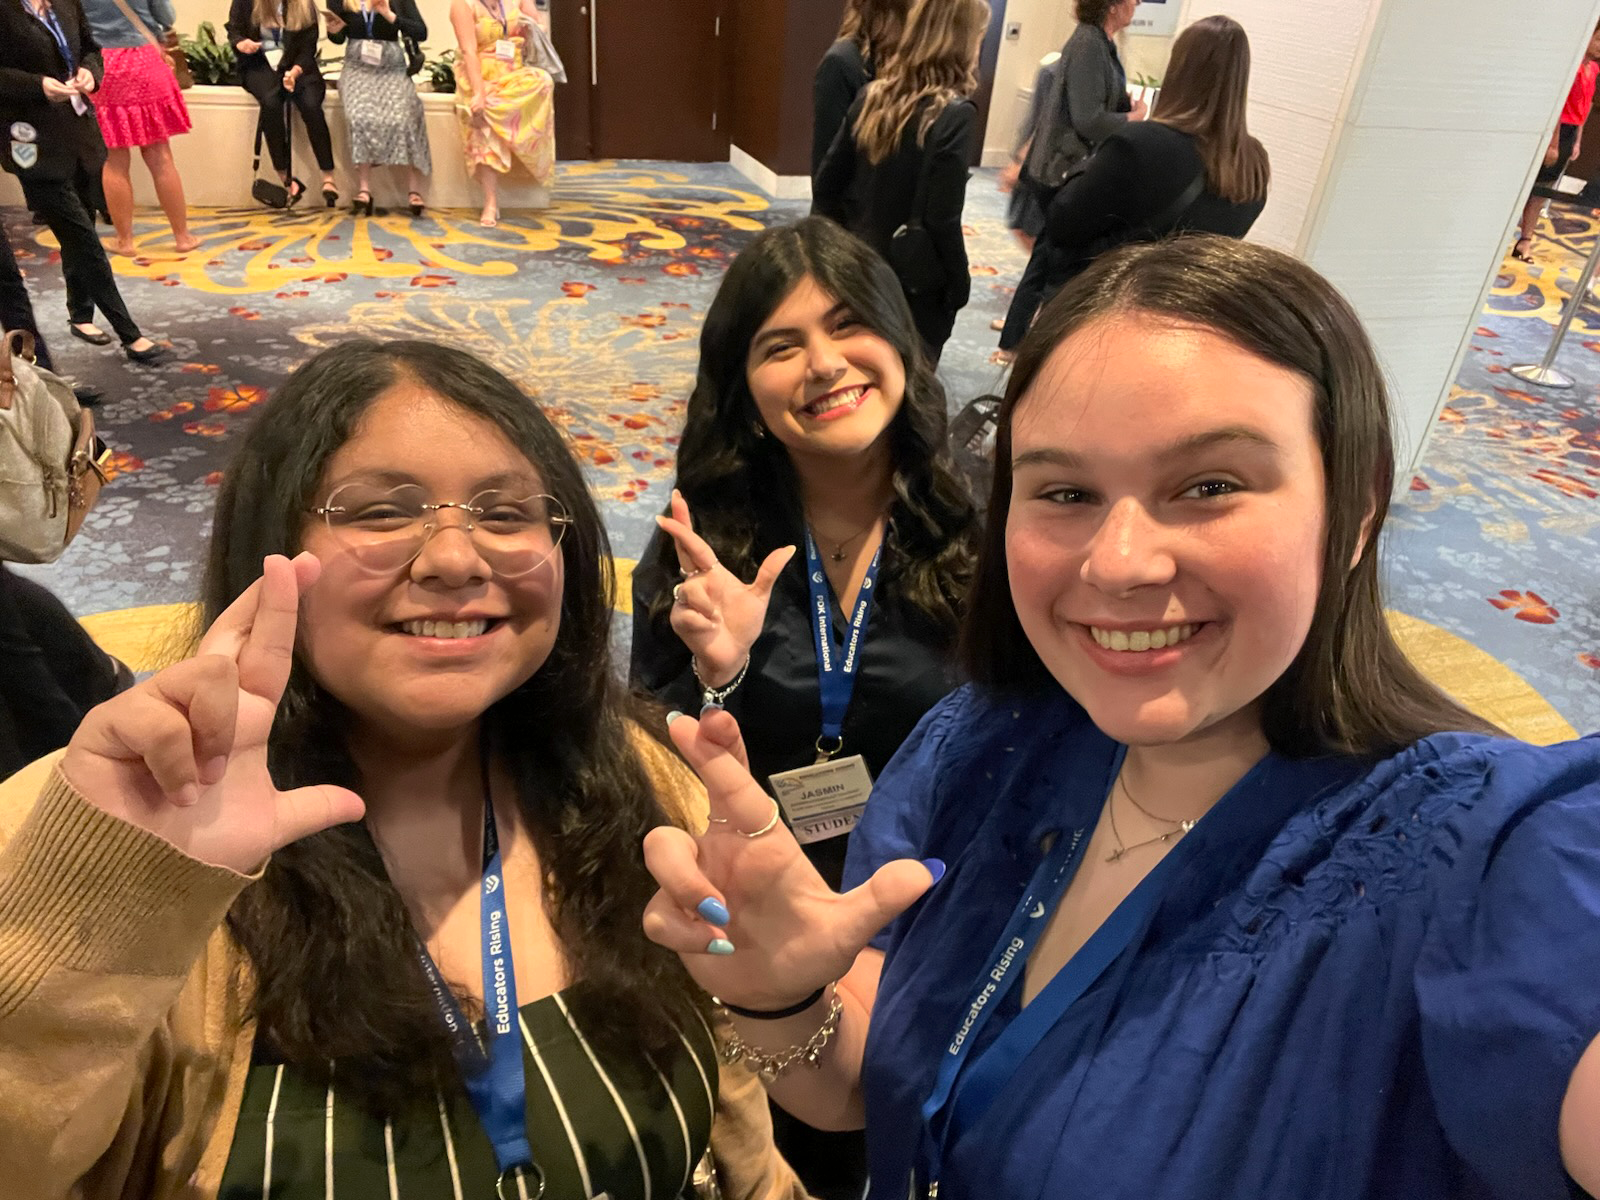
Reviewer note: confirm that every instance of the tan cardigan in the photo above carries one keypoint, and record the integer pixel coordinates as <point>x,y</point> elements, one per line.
<point>124,1030</point>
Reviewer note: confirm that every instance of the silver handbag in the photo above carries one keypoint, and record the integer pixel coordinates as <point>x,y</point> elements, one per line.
<point>52,466</point>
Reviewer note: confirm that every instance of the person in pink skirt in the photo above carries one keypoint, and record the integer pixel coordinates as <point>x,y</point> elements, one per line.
<point>139,104</point>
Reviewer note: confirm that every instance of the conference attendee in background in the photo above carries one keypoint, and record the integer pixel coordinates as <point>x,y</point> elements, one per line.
<point>1089,103</point>
<point>1193,167</point>
<point>868,36</point>
<point>381,104</point>
<point>1025,209</point>
<point>1565,144</point>
<point>276,41</point>
<point>139,104</point>
<point>249,909</point>
<point>16,312</point>
<point>50,69</point>
<point>814,419</point>
<point>51,673</point>
<point>896,173</point>
<point>503,101</point>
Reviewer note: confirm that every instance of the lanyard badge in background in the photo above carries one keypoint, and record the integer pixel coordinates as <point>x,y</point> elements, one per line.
<point>826,799</point>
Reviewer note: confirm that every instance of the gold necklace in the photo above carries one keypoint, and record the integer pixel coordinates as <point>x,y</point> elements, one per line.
<point>1122,851</point>
<point>837,553</point>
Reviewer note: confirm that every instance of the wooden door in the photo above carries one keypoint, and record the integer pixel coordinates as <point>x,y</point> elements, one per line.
<point>645,79</point>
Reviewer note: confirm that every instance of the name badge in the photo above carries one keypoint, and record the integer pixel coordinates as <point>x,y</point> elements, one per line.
<point>505,50</point>
<point>370,52</point>
<point>274,55</point>
<point>824,800</point>
<point>79,104</point>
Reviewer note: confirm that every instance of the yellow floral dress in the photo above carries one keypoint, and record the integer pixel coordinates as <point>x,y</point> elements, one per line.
<point>518,125</point>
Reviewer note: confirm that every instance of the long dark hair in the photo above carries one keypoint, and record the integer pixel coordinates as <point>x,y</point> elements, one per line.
<point>1351,689</point>
<point>1206,94</point>
<point>326,932</point>
<point>739,483</point>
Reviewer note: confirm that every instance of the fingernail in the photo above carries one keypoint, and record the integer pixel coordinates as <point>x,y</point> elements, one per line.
<point>713,910</point>
<point>188,796</point>
<point>711,708</point>
<point>215,769</point>
<point>673,716</point>
<point>935,868</point>
<point>720,946</point>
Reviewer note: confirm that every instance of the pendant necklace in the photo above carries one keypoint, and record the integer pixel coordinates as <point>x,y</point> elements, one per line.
<point>837,553</point>
<point>1181,827</point>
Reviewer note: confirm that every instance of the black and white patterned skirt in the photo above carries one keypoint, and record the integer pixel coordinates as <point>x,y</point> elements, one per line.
<point>383,109</point>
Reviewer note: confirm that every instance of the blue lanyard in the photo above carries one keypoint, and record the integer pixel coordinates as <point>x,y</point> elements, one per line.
<point>960,1098</point>
<point>836,670</point>
<point>493,1075</point>
<point>49,20</point>
<point>366,15</point>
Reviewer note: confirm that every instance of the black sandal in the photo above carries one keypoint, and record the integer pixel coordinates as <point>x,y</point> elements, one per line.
<point>296,191</point>
<point>1519,254</point>
<point>362,204</point>
<point>415,199</point>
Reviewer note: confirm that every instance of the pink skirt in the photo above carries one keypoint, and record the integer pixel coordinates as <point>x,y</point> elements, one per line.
<point>139,101</point>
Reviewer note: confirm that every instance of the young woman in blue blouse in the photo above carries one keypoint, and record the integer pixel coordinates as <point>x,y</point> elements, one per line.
<point>1230,901</point>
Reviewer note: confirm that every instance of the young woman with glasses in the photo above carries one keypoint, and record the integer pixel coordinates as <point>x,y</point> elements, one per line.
<point>261,905</point>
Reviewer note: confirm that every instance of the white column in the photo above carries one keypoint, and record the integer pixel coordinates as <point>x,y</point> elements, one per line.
<point>1404,135</point>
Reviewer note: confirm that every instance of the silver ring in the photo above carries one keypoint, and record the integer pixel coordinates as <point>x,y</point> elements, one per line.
<point>767,828</point>
<point>677,593</point>
<point>518,1174</point>
<point>697,572</point>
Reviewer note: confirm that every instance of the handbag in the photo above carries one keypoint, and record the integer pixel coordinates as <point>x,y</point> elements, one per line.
<point>913,253</point>
<point>170,46</point>
<point>269,192</point>
<point>415,59</point>
<point>539,51</point>
<point>52,466</point>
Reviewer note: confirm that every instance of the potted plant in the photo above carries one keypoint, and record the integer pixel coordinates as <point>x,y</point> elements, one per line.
<point>210,60</point>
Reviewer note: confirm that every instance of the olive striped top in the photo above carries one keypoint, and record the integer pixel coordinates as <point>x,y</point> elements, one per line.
<point>600,1124</point>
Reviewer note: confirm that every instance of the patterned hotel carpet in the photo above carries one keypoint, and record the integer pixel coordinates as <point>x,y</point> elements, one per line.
<point>595,306</point>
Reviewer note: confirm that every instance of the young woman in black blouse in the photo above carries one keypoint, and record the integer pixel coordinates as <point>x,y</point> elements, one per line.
<point>276,41</point>
<point>815,417</point>
<point>902,158</point>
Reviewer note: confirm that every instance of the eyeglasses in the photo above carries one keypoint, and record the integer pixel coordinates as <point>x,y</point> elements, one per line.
<point>384,529</point>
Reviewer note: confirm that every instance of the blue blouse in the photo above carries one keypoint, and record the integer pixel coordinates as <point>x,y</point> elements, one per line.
<point>1359,980</point>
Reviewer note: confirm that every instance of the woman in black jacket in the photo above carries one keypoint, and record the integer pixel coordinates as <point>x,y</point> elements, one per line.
<point>276,41</point>
<point>901,160</point>
<point>49,69</point>
<point>1192,168</point>
<point>868,36</point>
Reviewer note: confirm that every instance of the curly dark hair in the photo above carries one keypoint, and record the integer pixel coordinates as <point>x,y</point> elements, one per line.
<point>326,931</point>
<point>741,486</point>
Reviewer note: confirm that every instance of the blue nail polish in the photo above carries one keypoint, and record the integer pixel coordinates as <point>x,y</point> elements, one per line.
<point>935,868</point>
<point>713,911</point>
<point>673,716</point>
<point>720,946</point>
<point>711,708</point>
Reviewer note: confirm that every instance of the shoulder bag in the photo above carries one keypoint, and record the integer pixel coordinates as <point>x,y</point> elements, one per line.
<point>52,465</point>
<point>913,253</point>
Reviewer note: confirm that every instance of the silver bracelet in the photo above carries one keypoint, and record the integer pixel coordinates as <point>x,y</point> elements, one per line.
<point>771,1064</point>
<point>711,695</point>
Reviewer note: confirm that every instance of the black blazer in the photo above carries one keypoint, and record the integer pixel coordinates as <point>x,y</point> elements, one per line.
<point>1135,177</point>
<point>407,20</point>
<point>299,45</point>
<point>841,75</point>
<point>61,138</point>
<point>874,201</point>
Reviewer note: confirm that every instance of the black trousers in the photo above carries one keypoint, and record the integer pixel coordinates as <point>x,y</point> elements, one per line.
<point>16,310</point>
<point>65,205</point>
<point>266,85</point>
<point>1033,289</point>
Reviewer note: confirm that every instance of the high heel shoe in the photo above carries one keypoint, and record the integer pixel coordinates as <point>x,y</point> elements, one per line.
<point>296,191</point>
<point>362,204</point>
<point>415,199</point>
<point>330,195</point>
